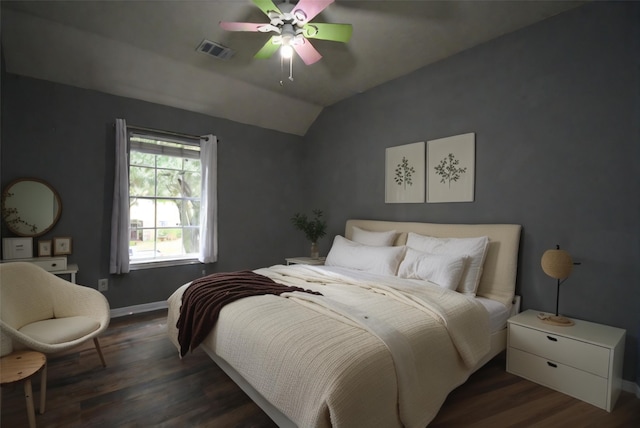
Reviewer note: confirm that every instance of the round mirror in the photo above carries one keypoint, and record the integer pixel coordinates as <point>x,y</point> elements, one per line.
<point>30,207</point>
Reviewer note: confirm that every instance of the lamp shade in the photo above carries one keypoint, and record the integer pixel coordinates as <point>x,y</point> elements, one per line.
<point>557,263</point>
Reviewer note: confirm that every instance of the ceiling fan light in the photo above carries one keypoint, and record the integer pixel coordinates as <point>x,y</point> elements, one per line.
<point>286,51</point>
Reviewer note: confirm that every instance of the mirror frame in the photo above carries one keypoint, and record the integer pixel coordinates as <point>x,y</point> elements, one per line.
<point>5,214</point>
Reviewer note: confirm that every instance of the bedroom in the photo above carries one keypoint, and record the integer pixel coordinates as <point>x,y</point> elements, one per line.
<point>554,106</point>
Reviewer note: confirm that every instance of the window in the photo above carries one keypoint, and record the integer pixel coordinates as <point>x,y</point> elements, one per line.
<point>164,198</point>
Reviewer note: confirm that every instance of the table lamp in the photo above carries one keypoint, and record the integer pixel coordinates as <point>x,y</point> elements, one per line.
<point>557,264</point>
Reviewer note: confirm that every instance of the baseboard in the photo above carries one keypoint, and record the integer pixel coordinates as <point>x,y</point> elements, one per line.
<point>138,309</point>
<point>631,387</point>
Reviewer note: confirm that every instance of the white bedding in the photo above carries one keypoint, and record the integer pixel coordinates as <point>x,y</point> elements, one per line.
<point>372,352</point>
<point>324,365</point>
<point>498,313</point>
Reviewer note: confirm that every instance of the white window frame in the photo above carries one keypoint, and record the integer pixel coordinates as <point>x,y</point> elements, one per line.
<point>137,146</point>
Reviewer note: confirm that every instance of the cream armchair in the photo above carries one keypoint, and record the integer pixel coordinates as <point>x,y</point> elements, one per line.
<point>43,312</point>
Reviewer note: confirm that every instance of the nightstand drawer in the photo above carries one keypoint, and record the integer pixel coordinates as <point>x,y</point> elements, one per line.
<point>577,383</point>
<point>580,355</point>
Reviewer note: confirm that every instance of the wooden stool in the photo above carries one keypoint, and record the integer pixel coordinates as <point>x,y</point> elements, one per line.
<point>22,365</point>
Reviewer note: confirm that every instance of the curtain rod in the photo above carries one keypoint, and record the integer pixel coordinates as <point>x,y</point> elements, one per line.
<point>160,131</point>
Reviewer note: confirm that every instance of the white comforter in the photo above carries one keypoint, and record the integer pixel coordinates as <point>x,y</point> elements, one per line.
<point>372,351</point>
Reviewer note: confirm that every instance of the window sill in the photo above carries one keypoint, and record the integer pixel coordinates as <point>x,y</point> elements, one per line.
<point>162,264</point>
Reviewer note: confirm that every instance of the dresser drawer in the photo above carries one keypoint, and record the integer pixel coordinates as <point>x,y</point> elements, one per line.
<point>576,383</point>
<point>51,264</point>
<point>580,355</point>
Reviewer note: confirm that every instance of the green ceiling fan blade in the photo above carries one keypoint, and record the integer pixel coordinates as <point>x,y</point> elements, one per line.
<point>267,6</point>
<point>332,32</point>
<point>268,49</point>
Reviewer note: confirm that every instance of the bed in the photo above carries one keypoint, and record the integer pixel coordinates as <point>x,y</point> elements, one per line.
<point>375,348</point>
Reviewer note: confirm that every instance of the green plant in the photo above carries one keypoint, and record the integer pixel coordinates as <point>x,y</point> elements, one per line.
<point>313,229</point>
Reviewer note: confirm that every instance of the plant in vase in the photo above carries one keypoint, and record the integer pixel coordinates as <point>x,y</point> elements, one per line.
<point>313,229</point>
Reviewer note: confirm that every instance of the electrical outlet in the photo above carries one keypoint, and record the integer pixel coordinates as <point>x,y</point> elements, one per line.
<point>103,284</point>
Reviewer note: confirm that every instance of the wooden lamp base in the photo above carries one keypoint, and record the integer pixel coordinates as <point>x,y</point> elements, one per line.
<point>558,320</point>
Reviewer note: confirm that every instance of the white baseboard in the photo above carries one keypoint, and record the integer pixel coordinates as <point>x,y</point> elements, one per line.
<point>631,387</point>
<point>138,309</point>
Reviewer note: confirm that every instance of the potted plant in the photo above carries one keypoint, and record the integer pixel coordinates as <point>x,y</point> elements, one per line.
<point>313,229</point>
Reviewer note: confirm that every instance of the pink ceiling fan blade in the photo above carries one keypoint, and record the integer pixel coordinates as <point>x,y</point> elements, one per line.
<point>310,8</point>
<point>241,26</point>
<point>307,52</point>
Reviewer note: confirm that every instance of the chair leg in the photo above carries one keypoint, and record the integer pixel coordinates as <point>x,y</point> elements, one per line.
<point>95,341</point>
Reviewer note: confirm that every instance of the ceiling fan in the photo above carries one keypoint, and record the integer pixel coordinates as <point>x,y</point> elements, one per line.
<point>292,27</point>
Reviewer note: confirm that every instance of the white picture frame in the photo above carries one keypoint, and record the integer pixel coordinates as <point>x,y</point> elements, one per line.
<point>451,169</point>
<point>404,173</point>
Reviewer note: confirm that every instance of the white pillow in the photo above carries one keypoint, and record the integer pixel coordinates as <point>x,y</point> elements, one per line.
<point>352,255</point>
<point>474,248</point>
<point>442,269</point>
<point>368,237</point>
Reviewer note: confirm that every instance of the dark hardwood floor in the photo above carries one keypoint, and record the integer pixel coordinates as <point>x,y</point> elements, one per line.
<point>145,384</point>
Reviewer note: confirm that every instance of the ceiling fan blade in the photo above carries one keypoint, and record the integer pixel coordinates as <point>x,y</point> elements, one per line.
<point>310,8</point>
<point>241,26</point>
<point>307,52</point>
<point>332,32</point>
<point>267,6</point>
<point>268,49</point>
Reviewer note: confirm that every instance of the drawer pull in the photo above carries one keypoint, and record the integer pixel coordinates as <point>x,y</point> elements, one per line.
<point>553,339</point>
<point>550,364</point>
<point>54,264</point>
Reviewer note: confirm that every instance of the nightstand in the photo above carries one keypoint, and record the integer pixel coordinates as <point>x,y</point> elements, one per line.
<point>583,360</point>
<point>305,261</point>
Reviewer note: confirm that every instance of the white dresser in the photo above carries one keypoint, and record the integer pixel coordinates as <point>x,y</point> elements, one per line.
<point>583,361</point>
<point>56,265</point>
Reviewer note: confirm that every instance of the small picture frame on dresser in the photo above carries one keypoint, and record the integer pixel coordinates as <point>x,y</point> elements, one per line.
<point>44,248</point>
<point>61,246</point>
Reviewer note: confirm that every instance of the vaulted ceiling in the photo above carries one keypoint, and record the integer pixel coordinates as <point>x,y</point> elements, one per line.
<point>147,50</point>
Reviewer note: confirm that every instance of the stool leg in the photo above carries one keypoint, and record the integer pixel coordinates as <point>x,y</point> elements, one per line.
<point>28,395</point>
<point>43,389</point>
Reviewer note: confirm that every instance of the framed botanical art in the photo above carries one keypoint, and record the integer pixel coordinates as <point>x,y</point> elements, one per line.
<point>404,174</point>
<point>44,248</point>
<point>451,168</point>
<point>61,246</point>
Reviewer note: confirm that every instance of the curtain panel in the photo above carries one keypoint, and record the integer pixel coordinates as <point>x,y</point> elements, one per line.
<point>119,256</point>
<point>209,200</point>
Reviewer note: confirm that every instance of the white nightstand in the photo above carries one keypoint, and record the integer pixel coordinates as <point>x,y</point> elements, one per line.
<point>305,261</point>
<point>583,361</point>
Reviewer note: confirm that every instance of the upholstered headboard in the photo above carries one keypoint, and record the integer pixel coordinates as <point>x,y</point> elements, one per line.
<point>498,281</point>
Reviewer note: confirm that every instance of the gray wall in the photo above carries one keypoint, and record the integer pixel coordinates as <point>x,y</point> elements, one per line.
<point>555,109</point>
<point>65,135</point>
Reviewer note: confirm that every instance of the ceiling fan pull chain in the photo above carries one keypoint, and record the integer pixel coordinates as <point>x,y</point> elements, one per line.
<point>291,69</point>
<point>281,70</point>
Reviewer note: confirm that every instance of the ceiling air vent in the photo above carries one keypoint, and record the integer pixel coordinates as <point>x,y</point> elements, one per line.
<point>215,49</point>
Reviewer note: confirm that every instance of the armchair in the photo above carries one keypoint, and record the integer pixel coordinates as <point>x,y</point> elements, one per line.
<point>46,313</point>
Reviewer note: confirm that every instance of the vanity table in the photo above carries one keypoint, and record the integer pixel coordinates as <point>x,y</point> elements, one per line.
<point>30,208</point>
<point>55,265</point>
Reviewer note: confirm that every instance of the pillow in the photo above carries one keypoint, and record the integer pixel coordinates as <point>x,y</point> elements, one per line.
<point>373,259</point>
<point>442,269</point>
<point>367,237</point>
<point>474,248</point>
